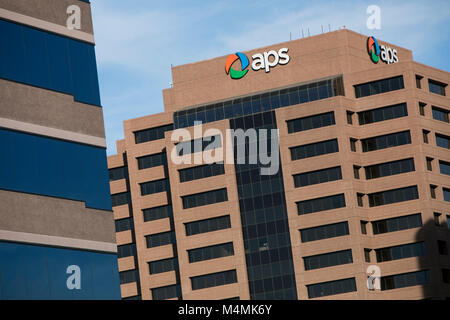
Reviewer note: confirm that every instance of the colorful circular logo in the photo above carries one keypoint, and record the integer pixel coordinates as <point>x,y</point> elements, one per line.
<point>236,74</point>
<point>373,49</point>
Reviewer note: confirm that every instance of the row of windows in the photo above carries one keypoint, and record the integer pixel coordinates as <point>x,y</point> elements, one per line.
<point>151,134</point>
<point>440,114</point>
<point>324,232</point>
<point>199,145</point>
<point>200,172</point>
<point>397,224</point>
<point>379,86</point>
<point>331,288</point>
<point>311,122</point>
<point>204,198</point>
<point>393,196</point>
<point>160,239</point>
<point>129,276</point>
<point>314,149</point>
<point>167,292</point>
<point>401,252</point>
<point>118,173</point>
<point>386,141</point>
<point>317,176</point>
<point>383,113</point>
<point>119,199</point>
<point>436,87</point>
<point>126,250</point>
<point>207,225</point>
<point>389,168</point>
<point>328,259</point>
<point>405,280</point>
<point>155,186</point>
<point>321,204</point>
<point>157,213</point>
<point>213,279</point>
<point>211,252</point>
<point>260,102</point>
<point>152,160</point>
<point>264,229</point>
<point>269,257</point>
<point>124,224</point>
<point>164,265</point>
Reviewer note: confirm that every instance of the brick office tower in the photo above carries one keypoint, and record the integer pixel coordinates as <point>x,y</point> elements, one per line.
<point>363,187</point>
<point>57,237</point>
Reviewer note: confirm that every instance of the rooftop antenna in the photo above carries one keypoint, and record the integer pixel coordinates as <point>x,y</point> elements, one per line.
<point>308,33</point>
<point>290,36</point>
<point>321,27</point>
<point>302,34</point>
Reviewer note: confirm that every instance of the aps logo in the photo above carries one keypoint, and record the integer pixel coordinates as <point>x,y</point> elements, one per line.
<point>264,60</point>
<point>376,52</point>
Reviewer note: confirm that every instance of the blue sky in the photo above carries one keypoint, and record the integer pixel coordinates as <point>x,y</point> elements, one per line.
<point>137,41</point>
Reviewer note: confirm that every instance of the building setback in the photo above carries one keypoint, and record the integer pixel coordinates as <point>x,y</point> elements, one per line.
<point>363,187</point>
<point>57,238</point>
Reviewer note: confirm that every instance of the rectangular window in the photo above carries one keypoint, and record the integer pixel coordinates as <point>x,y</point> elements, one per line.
<point>367,255</point>
<point>211,252</point>
<point>156,186</point>
<point>389,168</point>
<point>199,145</point>
<point>200,172</point>
<point>324,232</point>
<point>445,275</point>
<point>353,144</point>
<point>160,239</point>
<point>397,224</point>
<point>386,141</point>
<point>379,86</point>
<point>164,265</point>
<point>429,164</point>
<point>118,173</point>
<point>446,193</point>
<point>152,160</point>
<point>314,149</point>
<point>331,288</point>
<point>126,250</point>
<point>363,226</point>
<point>129,276</point>
<point>204,198</point>
<point>383,114</point>
<point>405,280</point>
<point>437,219</point>
<point>321,204</point>
<point>440,114</point>
<point>207,225</point>
<point>311,122</point>
<point>437,87</point>
<point>168,292</point>
<point>152,133</point>
<point>393,196</point>
<point>442,247</point>
<point>425,134</point>
<point>433,191</point>
<point>318,176</point>
<point>444,167</point>
<point>124,224</point>
<point>401,252</point>
<point>418,80</point>
<point>360,200</point>
<point>422,108</point>
<point>356,171</point>
<point>350,117</point>
<point>213,279</point>
<point>157,213</point>
<point>328,259</point>
<point>119,199</point>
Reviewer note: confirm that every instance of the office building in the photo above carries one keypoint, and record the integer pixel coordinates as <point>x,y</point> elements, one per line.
<point>359,208</point>
<point>57,238</point>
